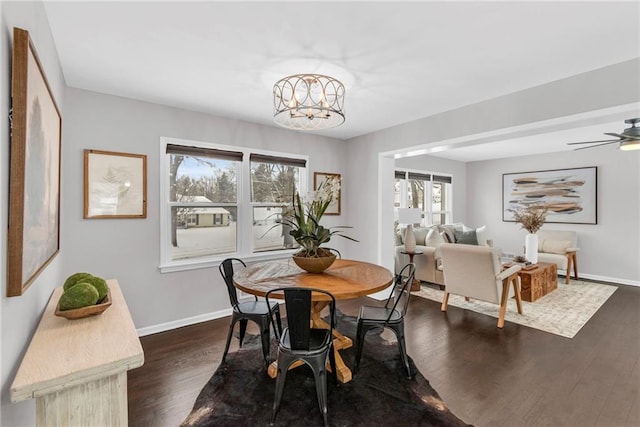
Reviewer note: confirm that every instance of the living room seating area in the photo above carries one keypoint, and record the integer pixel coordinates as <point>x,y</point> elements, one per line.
<point>428,241</point>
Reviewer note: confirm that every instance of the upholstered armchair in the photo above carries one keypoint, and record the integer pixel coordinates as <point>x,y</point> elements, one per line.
<point>560,248</point>
<point>476,272</point>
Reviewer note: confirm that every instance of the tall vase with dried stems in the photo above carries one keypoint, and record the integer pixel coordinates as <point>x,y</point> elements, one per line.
<point>531,219</point>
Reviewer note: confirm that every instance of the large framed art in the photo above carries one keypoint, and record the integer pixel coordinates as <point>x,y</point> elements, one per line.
<point>33,239</point>
<point>569,195</point>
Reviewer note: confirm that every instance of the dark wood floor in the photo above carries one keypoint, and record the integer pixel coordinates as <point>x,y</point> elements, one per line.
<point>516,376</point>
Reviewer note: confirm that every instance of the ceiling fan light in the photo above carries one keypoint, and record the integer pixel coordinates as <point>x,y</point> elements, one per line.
<point>633,144</point>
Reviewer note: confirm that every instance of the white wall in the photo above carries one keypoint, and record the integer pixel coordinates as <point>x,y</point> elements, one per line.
<point>19,315</point>
<point>609,250</point>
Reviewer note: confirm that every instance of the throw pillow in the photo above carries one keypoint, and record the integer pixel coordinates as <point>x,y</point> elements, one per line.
<point>466,237</point>
<point>480,234</point>
<point>448,229</point>
<point>421,235</point>
<point>434,239</point>
<point>556,246</point>
<point>540,245</point>
<point>446,237</point>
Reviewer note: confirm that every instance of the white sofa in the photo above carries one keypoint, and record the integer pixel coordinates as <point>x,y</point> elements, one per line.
<point>429,263</point>
<point>560,248</point>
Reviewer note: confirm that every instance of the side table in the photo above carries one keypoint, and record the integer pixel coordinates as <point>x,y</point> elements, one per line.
<point>536,283</point>
<point>415,285</point>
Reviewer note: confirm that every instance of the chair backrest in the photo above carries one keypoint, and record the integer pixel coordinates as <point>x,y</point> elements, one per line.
<point>471,271</point>
<point>226,270</point>
<point>558,236</point>
<point>298,304</point>
<point>401,293</point>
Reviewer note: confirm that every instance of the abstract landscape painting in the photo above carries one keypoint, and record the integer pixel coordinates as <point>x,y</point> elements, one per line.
<point>569,195</point>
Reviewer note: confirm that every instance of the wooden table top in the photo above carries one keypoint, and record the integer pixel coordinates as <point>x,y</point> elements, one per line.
<point>345,279</point>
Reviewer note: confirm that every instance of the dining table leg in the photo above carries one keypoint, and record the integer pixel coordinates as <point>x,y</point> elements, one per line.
<point>340,342</point>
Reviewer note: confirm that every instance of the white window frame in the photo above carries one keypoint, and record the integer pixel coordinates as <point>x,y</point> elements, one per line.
<point>427,212</point>
<point>244,242</point>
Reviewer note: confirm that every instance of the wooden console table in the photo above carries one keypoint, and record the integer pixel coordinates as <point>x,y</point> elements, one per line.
<point>536,283</point>
<point>77,369</point>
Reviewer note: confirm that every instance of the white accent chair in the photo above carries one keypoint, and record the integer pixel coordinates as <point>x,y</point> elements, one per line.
<point>560,248</point>
<point>476,272</point>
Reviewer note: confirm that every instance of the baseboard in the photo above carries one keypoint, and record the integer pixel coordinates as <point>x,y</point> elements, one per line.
<point>603,278</point>
<point>162,327</point>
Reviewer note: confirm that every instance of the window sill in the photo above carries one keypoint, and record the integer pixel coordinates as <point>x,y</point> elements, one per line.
<point>176,266</point>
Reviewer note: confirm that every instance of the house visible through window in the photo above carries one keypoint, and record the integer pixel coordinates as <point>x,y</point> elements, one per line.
<point>220,201</point>
<point>428,192</point>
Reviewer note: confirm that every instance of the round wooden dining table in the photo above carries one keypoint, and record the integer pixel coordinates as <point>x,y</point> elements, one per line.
<point>345,279</point>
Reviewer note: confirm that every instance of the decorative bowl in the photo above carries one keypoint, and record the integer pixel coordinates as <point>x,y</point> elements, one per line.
<point>314,264</point>
<point>91,310</point>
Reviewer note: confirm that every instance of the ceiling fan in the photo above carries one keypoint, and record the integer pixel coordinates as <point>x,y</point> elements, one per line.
<point>629,139</point>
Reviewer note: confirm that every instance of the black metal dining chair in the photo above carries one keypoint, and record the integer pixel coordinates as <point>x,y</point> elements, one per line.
<point>391,316</point>
<point>260,312</point>
<point>299,341</point>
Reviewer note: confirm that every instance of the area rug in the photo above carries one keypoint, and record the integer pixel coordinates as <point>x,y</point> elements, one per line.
<point>241,394</point>
<point>562,312</point>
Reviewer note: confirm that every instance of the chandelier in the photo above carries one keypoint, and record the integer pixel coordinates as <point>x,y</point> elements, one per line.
<point>308,102</point>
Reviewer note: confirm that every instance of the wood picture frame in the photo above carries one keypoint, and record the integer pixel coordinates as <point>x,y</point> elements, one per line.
<point>569,195</point>
<point>115,185</point>
<point>33,238</point>
<point>335,205</point>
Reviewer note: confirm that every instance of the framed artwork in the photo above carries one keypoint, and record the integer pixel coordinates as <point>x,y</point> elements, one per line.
<point>570,195</point>
<point>115,185</point>
<point>33,238</point>
<point>318,179</point>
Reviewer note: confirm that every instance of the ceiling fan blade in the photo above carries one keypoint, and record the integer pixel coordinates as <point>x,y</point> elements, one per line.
<point>594,146</point>
<point>619,135</point>
<point>592,142</point>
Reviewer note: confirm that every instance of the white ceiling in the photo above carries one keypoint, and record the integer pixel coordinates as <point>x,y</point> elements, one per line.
<point>399,61</point>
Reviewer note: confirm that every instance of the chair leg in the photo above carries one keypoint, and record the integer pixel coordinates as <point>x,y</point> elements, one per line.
<point>278,333</point>
<point>503,302</point>
<point>281,376</point>
<point>359,344</point>
<point>243,329</point>
<point>575,265</point>
<point>332,362</point>
<point>399,330</point>
<point>320,376</point>
<point>445,301</point>
<point>568,273</point>
<point>265,338</point>
<point>516,291</point>
<point>229,335</point>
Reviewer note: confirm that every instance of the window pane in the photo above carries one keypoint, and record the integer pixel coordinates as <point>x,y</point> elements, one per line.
<point>415,198</point>
<point>439,219</point>
<point>202,179</point>
<point>396,193</point>
<point>436,197</point>
<point>268,231</point>
<point>203,231</point>
<point>273,183</point>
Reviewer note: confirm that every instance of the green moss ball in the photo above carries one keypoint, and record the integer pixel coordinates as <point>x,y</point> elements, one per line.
<point>74,279</point>
<point>81,295</point>
<point>100,284</point>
